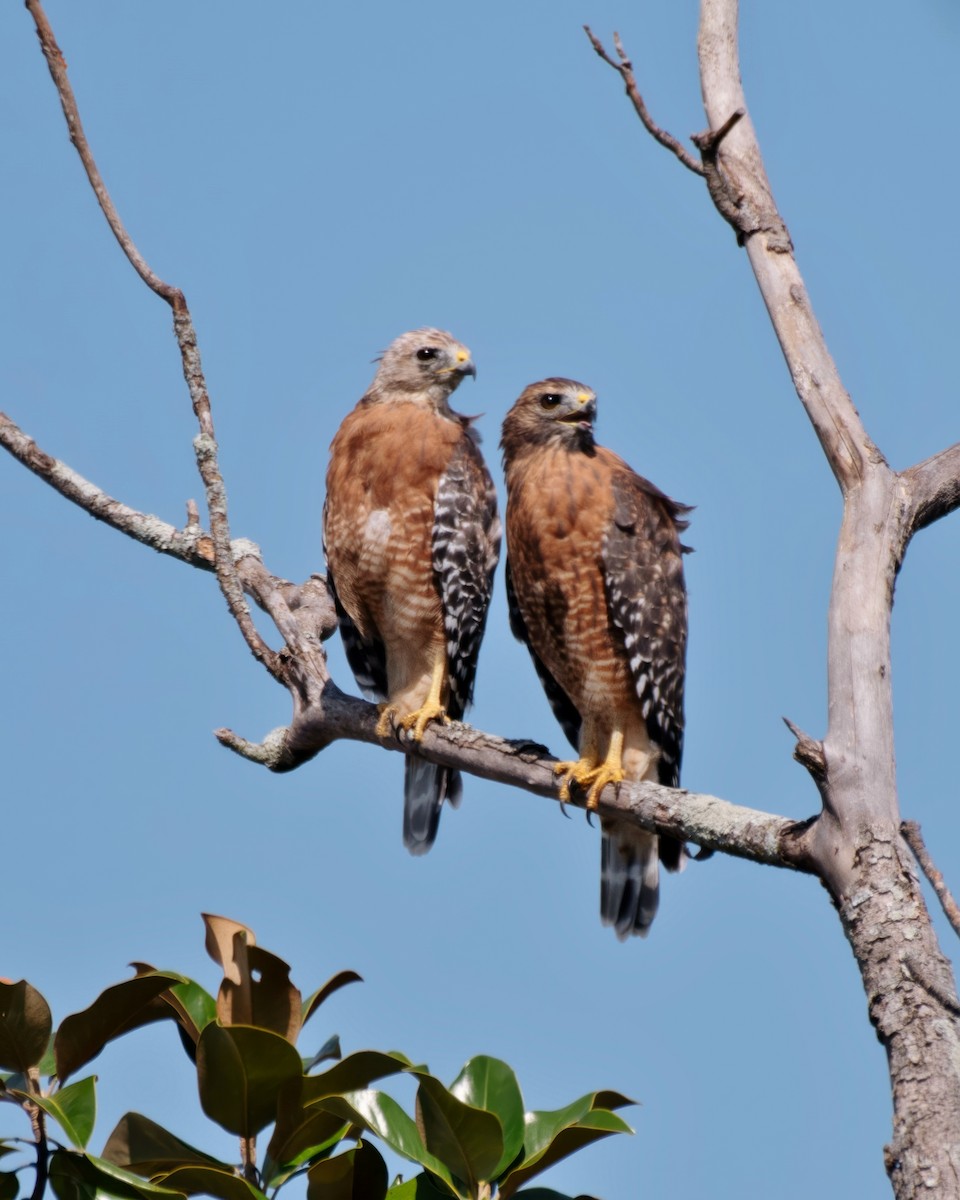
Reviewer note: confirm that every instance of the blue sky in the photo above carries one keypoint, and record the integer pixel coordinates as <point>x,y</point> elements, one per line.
<point>318,179</point>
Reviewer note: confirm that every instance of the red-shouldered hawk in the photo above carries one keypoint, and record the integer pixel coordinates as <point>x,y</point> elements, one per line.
<point>412,537</point>
<point>595,586</point>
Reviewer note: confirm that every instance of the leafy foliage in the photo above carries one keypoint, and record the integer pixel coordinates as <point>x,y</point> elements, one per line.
<point>471,1141</point>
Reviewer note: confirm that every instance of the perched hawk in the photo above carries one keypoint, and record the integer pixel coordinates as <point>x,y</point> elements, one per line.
<point>412,537</point>
<point>596,591</point>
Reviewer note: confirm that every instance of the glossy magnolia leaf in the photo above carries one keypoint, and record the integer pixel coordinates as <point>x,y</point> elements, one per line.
<point>74,1108</point>
<point>141,1145</point>
<point>83,1177</point>
<point>9,1186</point>
<point>383,1116</point>
<point>360,1174</point>
<point>329,1049</point>
<point>5,1149</point>
<point>467,1139</point>
<point>333,984</point>
<point>116,1011</point>
<point>539,1193</point>
<point>552,1136</point>
<point>490,1084</point>
<point>421,1187</point>
<point>354,1072</point>
<point>299,1135</point>
<point>267,999</point>
<point>194,1006</point>
<point>227,942</point>
<point>222,939</point>
<point>256,988</point>
<point>25,1026</point>
<point>240,1071</point>
<point>222,1183</point>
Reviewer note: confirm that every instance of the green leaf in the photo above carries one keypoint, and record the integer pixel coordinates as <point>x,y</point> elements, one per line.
<point>141,1145</point>
<point>25,1026</point>
<point>552,1136</point>
<point>82,1177</point>
<point>48,1064</point>
<point>240,1070</point>
<point>210,1181</point>
<point>333,984</point>
<point>490,1084</point>
<point>467,1139</point>
<point>329,1049</point>
<point>299,1135</point>
<point>360,1174</point>
<point>117,1011</point>
<point>198,1007</point>
<point>382,1115</point>
<point>420,1187</point>
<point>355,1071</point>
<point>539,1193</point>
<point>9,1185</point>
<point>74,1108</point>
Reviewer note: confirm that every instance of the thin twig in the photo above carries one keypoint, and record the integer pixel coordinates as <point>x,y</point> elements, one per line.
<point>808,751</point>
<point>38,1122</point>
<point>205,444</point>
<point>910,830</point>
<point>624,69</point>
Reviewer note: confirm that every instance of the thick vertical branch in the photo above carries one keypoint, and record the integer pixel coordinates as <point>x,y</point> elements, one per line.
<point>856,843</point>
<point>768,245</point>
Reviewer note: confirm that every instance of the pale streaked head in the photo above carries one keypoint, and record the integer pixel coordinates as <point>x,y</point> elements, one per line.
<point>425,366</point>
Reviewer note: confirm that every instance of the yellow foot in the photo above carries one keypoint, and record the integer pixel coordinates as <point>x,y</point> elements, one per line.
<point>588,777</point>
<point>388,713</point>
<point>421,718</point>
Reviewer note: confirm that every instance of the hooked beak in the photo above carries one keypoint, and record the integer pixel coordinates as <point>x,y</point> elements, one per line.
<point>582,417</point>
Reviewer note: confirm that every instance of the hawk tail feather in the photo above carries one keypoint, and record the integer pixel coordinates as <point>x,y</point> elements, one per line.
<point>629,879</point>
<point>425,787</point>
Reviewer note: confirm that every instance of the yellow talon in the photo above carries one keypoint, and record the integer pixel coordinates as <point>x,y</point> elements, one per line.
<point>421,718</point>
<point>591,776</point>
<point>388,713</point>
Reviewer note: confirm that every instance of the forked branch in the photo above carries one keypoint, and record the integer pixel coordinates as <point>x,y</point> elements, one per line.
<point>205,445</point>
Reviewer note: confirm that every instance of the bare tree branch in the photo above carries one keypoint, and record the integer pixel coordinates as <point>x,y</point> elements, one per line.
<point>856,842</point>
<point>933,488</point>
<point>303,614</point>
<point>624,69</point>
<point>205,444</point>
<point>322,713</point>
<point>707,820</point>
<point>914,839</point>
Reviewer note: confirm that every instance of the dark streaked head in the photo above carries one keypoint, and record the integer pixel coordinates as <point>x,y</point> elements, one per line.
<point>555,411</point>
<point>425,366</point>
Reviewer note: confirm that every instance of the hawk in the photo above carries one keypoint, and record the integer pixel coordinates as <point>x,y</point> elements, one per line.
<point>595,587</point>
<point>412,537</point>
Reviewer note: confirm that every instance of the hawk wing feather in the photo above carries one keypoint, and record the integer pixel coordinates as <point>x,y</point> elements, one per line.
<point>563,707</point>
<point>368,660</point>
<point>646,601</point>
<point>466,547</point>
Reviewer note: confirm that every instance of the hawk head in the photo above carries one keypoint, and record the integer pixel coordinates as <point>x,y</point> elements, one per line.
<point>555,411</point>
<point>425,366</point>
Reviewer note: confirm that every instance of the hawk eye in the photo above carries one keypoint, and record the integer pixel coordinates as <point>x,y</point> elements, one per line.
<point>550,400</point>
<point>426,353</point>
